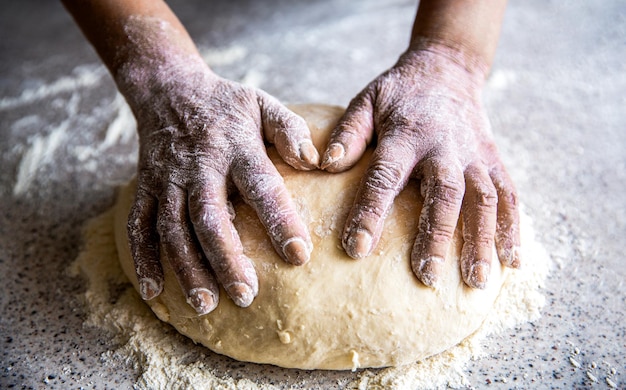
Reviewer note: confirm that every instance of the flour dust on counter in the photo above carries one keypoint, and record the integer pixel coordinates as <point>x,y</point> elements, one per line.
<point>70,132</point>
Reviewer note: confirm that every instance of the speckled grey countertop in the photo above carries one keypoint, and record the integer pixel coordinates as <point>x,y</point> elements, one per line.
<point>557,100</point>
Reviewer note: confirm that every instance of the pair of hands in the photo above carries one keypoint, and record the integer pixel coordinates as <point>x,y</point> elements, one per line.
<point>202,137</point>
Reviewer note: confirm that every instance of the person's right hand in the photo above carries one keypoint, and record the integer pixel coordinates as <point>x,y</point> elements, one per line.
<point>201,137</point>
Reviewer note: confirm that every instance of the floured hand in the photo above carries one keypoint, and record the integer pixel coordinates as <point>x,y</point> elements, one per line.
<point>200,137</point>
<point>431,126</point>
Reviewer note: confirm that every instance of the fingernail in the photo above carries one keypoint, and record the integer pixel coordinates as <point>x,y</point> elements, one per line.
<point>309,154</point>
<point>334,153</point>
<point>241,294</point>
<point>430,269</point>
<point>149,288</point>
<point>478,274</point>
<point>202,300</point>
<point>296,251</point>
<point>359,244</point>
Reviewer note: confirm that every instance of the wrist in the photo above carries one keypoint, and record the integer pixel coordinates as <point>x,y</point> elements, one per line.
<point>443,68</point>
<point>143,82</point>
<point>466,31</point>
<point>458,55</point>
<point>155,58</point>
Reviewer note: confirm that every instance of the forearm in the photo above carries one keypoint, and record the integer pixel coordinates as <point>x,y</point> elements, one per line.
<point>136,39</point>
<point>469,28</point>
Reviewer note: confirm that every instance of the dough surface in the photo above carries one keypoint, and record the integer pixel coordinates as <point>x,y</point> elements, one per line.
<point>334,312</point>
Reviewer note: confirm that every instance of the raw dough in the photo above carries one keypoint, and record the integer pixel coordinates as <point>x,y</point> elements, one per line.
<point>334,312</point>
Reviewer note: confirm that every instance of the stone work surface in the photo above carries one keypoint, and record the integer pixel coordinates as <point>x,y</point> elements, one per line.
<point>556,99</point>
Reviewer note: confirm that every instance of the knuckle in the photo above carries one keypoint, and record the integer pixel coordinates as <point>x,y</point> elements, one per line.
<point>448,187</point>
<point>486,196</point>
<point>383,176</point>
<point>206,215</point>
<point>262,186</point>
<point>441,232</point>
<point>506,190</point>
<point>480,239</point>
<point>169,229</point>
<point>384,180</point>
<point>484,240</point>
<point>508,196</point>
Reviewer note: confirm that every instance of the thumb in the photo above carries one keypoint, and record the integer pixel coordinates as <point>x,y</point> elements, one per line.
<point>352,134</point>
<point>288,132</point>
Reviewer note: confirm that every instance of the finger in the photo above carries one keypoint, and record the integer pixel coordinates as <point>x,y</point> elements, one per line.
<point>351,135</point>
<point>212,222</point>
<point>442,187</point>
<point>507,226</point>
<point>288,132</point>
<point>182,252</point>
<point>263,188</point>
<point>479,226</point>
<point>385,177</point>
<point>144,244</point>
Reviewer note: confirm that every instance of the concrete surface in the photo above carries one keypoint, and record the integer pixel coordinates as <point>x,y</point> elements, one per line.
<point>556,99</point>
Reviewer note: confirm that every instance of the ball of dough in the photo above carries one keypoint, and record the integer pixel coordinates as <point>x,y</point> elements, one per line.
<point>334,312</point>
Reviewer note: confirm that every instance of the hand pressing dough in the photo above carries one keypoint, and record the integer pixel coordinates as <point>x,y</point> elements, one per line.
<point>334,312</point>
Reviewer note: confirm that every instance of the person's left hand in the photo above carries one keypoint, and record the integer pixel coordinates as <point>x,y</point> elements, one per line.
<point>431,126</point>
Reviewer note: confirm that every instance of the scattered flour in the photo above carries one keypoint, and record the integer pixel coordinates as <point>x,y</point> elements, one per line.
<point>501,79</point>
<point>163,361</point>
<point>63,134</point>
<point>224,56</point>
<point>40,152</point>
<point>42,147</point>
<point>84,76</point>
